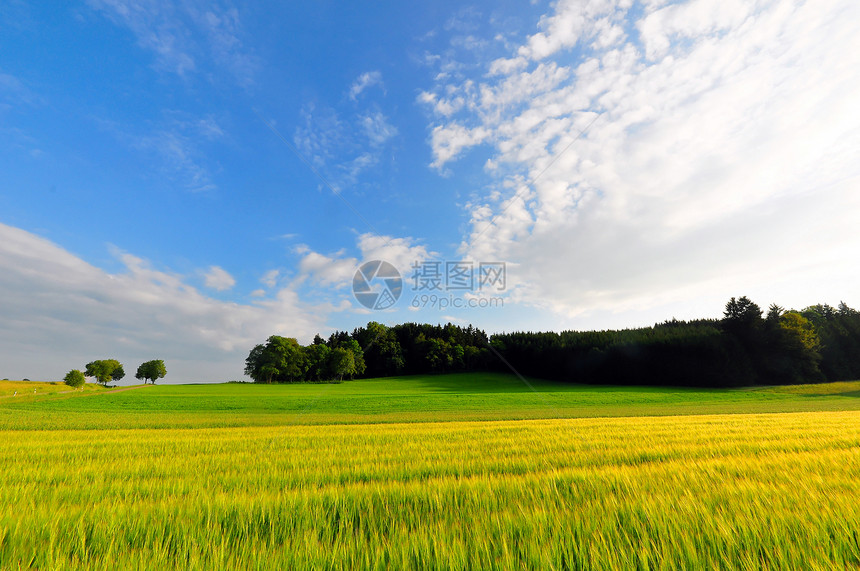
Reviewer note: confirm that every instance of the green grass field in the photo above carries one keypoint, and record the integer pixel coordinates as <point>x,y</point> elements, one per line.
<point>431,472</point>
<point>431,398</point>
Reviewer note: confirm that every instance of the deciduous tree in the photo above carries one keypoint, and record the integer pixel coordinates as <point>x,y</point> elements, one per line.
<point>104,370</point>
<point>151,370</point>
<point>341,363</point>
<point>281,359</point>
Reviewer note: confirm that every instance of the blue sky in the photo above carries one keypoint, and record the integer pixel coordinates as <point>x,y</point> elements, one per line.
<point>181,180</point>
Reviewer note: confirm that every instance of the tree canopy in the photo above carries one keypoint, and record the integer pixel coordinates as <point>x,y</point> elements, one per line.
<point>280,360</point>
<point>74,378</point>
<point>372,351</point>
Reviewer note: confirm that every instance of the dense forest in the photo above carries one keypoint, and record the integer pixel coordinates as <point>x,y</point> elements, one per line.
<point>746,347</point>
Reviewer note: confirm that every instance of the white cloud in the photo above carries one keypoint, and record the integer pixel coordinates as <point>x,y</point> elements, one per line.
<point>690,20</point>
<point>219,279</point>
<point>723,157</point>
<point>332,270</point>
<point>60,312</point>
<point>400,252</point>
<point>450,140</point>
<point>364,81</point>
<point>572,20</point>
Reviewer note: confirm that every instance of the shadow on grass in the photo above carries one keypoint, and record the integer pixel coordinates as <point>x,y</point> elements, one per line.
<point>475,383</point>
<point>849,394</point>
<point>495,382</point>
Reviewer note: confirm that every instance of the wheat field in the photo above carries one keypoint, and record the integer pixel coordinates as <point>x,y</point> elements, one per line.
<point>746,491</point>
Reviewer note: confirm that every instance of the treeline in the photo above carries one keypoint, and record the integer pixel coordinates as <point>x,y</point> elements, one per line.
<point>746,347</point>
<point>373,351</point>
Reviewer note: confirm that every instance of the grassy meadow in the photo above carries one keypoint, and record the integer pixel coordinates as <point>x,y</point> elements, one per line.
<point>431,398</point>
<point>486,474</point>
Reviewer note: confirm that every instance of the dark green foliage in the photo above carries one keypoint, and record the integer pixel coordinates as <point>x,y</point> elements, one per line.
<point>280,360</point>
<point>351,345</point>
<point>744,348</point>
<point>317,358</point>
<point>436,348</point>
<point>341,363</point>
<point>105,370</point>
<point>372,351</point>
<point>672,353</point>
<point>383,355</point>
<point>742,317</point>
<point>283,360</point>
<point>839,333</point>
<point>151,370</point>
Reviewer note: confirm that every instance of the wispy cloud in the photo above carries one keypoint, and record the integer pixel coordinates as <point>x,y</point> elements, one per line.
<point>270,278</point>
<point>343,146</point>
<point>363,82</point>
<point>222,29</point>
<point>176,145</point>
<point>13,92</point>
<point>181,157</point>
<point>377,128</point>
<point>157,27</point>
<point>186,37</point>
<point>320,134</point>
<point>15,95</point>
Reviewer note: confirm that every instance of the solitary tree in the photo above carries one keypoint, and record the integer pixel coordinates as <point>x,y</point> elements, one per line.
<point>151,370</point>
<point>104,370</point>
<point>74,378</point>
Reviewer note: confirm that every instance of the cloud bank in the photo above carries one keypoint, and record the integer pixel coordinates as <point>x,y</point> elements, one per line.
<point>60,312</point>
<point>651,154</point>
